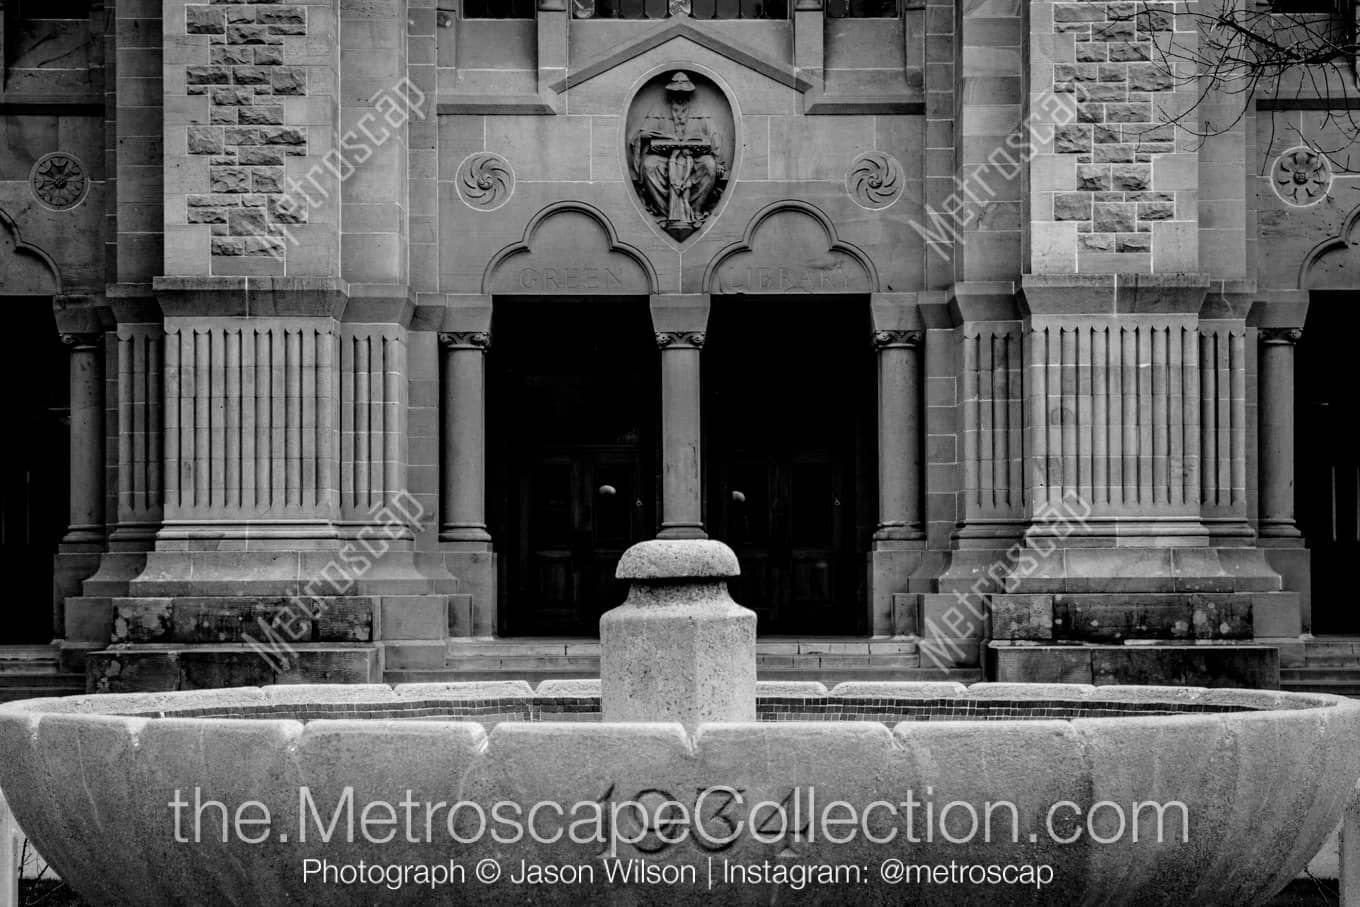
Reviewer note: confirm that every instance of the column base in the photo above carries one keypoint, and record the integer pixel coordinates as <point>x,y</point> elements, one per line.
<point>1278,529</point>
<point>453,532</point>
<point>472,611</point>
<point>891,565</point>
<point>899,532</point>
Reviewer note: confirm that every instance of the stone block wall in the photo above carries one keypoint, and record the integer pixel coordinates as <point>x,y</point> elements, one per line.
<point>249,92</point>
<point>1113,181</point>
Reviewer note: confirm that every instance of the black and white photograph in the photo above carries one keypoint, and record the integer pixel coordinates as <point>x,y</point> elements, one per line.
<point>669,452</point>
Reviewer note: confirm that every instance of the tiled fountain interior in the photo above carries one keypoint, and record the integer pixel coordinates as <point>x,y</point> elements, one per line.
<point>887,709</point>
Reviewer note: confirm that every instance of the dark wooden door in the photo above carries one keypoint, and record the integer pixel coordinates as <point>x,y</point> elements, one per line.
<point>581,507</point>
<point>788,486</point>
<point>573,403</point>
<point>33,470</point>
<point>1327,460</point>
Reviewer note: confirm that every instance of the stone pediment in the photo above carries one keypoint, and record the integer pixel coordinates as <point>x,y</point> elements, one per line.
<point>791,247</point>
<point>753,59</point>
<point>570,249</point>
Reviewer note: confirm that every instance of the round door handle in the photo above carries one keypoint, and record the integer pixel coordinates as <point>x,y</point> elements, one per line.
<point>607,490</point>
<point>739,497</point>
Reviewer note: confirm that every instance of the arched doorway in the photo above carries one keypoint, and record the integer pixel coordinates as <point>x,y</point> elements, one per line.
<point>789,446</point>
<point>573,409</point>
<point>34,457</point>
<point>1327,476</point>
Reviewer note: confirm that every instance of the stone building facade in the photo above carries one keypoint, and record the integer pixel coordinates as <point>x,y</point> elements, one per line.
<point>389,325</point>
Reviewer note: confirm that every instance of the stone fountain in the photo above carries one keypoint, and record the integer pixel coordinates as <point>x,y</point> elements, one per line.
<point>678,778</point>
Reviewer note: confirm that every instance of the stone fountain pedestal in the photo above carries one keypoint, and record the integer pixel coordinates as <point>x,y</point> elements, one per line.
<point>679,648</point>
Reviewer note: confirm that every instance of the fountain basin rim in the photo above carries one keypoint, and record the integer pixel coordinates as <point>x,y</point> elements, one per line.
<point>1193,701</point>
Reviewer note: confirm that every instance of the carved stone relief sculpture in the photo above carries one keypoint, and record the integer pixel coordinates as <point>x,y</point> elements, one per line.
<point>680,150</point>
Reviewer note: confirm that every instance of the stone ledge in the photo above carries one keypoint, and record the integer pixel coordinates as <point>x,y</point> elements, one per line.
<point>1113,294</point>
<point>259,297</point>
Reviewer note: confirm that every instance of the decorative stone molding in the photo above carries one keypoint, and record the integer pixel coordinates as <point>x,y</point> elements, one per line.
<point>372,417</point>
<point>465,340</point>
<point>1114,414</point>
<point>993,398</point>
<point>141,401</point>
<point>1281,335</point>
<point>1301,177</point>
<point>81,341</point>
<point>791,246</point>
<point>570,247</point>
<point>59,181</point>
<point>276,453</point>
<point>677,340</point>
<point>895,338</point>
<point>485,181</point>
<point>874,180</point>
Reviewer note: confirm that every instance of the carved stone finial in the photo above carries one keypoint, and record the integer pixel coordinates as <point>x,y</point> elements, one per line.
<point>465,340</point>
<point>1281,335</point>
<point>680,340</point>
<point>898,338</point>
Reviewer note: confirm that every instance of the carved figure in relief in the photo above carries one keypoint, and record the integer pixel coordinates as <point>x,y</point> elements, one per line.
<point>676,159</point>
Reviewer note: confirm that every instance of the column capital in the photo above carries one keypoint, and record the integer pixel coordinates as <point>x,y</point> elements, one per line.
<point>898,339</point>
<point>79,342</point>
<point>680,340</point>
<point>465,340</point>
<point>1281,336</point>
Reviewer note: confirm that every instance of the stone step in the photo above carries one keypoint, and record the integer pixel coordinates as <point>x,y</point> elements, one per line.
<point>47,665</point>
<point>1332,646</point>
<point>1316,673</point>
<point>14,694</point>
<point>24,653</point>
<point>1334,687</point>
<point>28,686</point>
<point>1314,659</point>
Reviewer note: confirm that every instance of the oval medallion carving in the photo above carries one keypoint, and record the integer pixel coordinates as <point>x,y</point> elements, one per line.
<point>874,180</point>
<point>59,181</point>
<point>485,181</point>
<point>680,149</point>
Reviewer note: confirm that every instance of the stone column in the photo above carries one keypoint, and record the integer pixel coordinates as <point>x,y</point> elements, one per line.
<point>679,322</point>
<point>87,440</point>
<point>681,513</point>
<point>899,435</point>
<point>1277,431</point>
<point>462,513</point>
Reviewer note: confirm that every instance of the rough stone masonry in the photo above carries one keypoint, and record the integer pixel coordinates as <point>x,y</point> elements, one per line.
<point>248,138</point>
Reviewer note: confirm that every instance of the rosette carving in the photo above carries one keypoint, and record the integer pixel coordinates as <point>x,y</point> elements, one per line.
<point>485,181</point>
<point>59,180</point>
<point>875,180</point>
